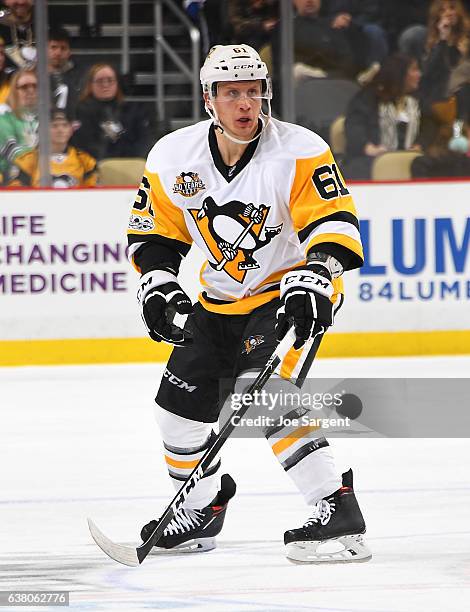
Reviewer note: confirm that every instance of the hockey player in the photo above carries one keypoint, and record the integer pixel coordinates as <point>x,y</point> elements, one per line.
<point>267,204</point>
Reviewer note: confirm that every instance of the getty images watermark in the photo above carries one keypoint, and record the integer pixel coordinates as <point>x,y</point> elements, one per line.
<point>353,407</point>
<point>280,408</point>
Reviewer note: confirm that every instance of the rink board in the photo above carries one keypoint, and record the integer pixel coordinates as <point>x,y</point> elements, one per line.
<point>68,293</point>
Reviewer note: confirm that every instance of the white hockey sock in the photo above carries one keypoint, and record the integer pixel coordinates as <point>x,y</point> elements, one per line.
<point>185,441</point>
<point>302,451</point>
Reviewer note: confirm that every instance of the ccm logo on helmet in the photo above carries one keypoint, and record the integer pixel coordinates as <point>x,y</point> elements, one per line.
<point>244,67</point>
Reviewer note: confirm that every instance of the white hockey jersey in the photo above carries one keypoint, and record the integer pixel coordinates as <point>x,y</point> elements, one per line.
<point>254,221</point>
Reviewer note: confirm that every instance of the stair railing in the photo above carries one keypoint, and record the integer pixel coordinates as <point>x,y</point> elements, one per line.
<point>162,46</point>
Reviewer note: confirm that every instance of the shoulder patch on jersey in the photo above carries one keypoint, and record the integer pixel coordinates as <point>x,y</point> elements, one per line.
<point>141,224</point>
<point>188,184</point>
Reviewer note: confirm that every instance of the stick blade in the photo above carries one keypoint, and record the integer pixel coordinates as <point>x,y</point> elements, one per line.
<point>127,555</point>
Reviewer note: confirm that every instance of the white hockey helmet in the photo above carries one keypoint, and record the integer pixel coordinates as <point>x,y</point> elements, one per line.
<point>235,63</point>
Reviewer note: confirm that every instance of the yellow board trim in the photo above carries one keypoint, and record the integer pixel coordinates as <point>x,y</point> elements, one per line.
<point>396,344</point>
<point>82,351</point>
<point>141,350</point>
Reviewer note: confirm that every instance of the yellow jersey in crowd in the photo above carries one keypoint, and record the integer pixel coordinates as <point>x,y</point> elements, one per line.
<point>70,169</point>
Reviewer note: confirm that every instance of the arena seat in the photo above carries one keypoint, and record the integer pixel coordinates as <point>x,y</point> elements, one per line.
<point>338,136</point>
<point>395,166</point>
<point>120,170</point>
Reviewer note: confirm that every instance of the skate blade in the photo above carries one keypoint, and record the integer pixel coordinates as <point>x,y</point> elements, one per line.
<point>191,546</point>
<point>345,549</point>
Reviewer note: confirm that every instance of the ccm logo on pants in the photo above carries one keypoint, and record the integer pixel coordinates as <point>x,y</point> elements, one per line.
<point>181,384</point>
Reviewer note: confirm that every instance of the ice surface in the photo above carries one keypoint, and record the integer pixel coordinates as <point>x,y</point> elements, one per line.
<point>81,441</point>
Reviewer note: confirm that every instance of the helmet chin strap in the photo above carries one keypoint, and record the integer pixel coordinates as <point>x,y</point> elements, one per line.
<point>218,124</point>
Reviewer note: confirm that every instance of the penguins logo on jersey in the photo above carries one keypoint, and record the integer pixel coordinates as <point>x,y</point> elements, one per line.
<point>232,233</point>
<point>64,181</point>
<point>251,343</point>
<point>188,184</point>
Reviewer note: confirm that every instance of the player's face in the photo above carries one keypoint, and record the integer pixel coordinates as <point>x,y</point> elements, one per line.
<point>60,132</point>
<point>27,88</point>
<point>238,105</point>
<point>104,85</point>
<point>58,53</point>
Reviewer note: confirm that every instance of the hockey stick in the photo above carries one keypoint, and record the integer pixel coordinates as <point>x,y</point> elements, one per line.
<point>235,245</point>
<point>129,555</point>
<point>238,241</point>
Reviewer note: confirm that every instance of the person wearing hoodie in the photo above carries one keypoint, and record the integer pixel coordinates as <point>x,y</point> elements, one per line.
<point>109,126</point>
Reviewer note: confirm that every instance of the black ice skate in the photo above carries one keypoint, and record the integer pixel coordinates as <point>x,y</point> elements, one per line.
<point>333,533</point>
<point>195,530</point>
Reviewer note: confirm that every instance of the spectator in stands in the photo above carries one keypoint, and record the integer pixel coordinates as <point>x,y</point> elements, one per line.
<point>253,21</point>
<point>384,116</point>
<point>16,28</point>
<point>319,49</point>
<point>110,126</point>
<point>358,20</point>
<point>5,74</point>
<point>447,66</point>
<point>406,24</point>
<point>69,167</point>
<point>445,158</point>
<point>18,124</point>
<point>64,76</point>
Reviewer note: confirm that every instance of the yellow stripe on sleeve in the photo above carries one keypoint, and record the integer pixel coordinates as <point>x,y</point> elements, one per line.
<point>306,203</point>
<point>152,203</point>
<point>346,241</point>
<point>319,196</point>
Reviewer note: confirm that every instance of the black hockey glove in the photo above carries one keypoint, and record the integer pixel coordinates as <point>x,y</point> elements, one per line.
<point>305,301</point>
<point>160,297</point>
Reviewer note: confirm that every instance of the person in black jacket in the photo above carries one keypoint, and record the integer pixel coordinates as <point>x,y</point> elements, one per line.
<point>359,20</point>
<point>64,76</point>
<point>317,44</point>
<point>253,21</point>
<point>383,117</point>
<point>110,126</point>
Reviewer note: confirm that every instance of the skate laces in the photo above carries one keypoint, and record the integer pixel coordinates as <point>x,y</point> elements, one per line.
<point>322,512</point>
<point>185,520</point>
